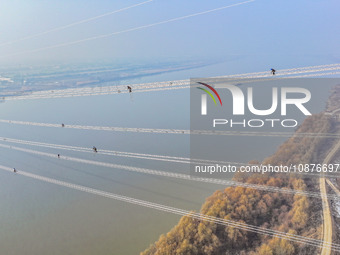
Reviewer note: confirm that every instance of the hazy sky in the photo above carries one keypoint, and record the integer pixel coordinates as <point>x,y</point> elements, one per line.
<point>277,30</point>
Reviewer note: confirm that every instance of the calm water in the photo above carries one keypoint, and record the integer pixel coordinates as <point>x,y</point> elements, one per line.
<point>39,218</point>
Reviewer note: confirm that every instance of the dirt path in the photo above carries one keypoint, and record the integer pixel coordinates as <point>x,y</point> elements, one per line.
<point>327,231</point>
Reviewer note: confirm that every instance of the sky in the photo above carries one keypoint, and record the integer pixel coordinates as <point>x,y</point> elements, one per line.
<point>277,31</point>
